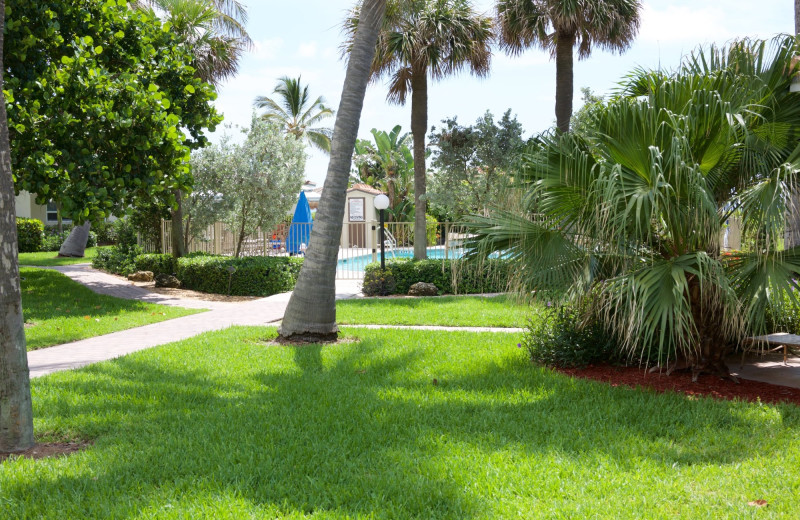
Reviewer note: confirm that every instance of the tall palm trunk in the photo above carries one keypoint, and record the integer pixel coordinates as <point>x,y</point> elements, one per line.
<point>16,415</point>
<point>311,313</point>
<point>564,71</point>
<point>796,17</point>
<point>419,125</point>
<point>791,237</point>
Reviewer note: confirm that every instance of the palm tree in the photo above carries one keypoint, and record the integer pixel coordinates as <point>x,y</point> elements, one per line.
<point>16,413</point>
<point>421,38</point>
<point>292,110</point>
<point>629,214</point>
<point>311,312</point>
<point>558,26</point>
<point>394,162</point>
<point>213,29</point>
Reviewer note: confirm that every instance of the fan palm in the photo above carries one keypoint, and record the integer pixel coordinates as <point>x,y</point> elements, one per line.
<point>294,110</point>
<point>213,29</point>
<point>632,212</point>
<point>421,38</point>
<point>558,26</point>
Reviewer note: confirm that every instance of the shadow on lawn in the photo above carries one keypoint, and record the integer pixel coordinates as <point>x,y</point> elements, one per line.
<point>356,428</point>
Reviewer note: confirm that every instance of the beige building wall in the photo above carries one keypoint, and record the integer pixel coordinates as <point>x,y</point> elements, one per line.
<point>26,207</point>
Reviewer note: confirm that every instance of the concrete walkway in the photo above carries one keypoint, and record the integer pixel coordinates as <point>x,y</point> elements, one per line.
<point>220,316</point>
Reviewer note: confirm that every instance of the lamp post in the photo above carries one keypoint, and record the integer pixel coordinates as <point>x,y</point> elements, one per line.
<point>381,203</point>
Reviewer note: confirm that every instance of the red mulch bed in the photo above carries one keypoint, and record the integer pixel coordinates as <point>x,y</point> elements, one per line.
<point>711,386</point>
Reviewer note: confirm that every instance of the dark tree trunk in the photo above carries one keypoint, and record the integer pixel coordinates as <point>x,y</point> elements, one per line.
<point>564,63</point>
<point>419,125</point>
<point>311,313</point>
<point>791,237</point>
<point>16,414</point>
<point>797,16</point>
<point>177,227</point>
<point>75,244</point>
<point>709,354</point>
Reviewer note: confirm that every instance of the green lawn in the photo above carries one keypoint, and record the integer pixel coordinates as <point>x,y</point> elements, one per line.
<point>58,310</point>
<point>465,311</point>
<point>393,424</point>
<point>51,258</point>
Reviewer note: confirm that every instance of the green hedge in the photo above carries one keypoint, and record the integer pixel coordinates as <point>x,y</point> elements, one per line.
<point>492,276</point>
<point>157,263</point>
<point>254,275</point>
<point>30,235</point>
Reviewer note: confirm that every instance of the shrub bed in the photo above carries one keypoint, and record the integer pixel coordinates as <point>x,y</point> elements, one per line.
<point>253,276</point>
<point>30,235</point>
<point>450,277</point>
<point>157,263</point>
<point>559,337</point>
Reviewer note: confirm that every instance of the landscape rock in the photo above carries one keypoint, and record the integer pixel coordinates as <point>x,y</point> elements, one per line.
<point>141,276</point>
<point>423,289</point>
<point>167,280</point>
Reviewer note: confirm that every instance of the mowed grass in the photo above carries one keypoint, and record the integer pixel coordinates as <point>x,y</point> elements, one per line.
<point>58,310</point>
<point>392,424</point>
<point>51,258</point>
<point>464,311</point>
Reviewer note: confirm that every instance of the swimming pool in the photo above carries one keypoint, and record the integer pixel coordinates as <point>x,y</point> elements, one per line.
<point>358,263</point>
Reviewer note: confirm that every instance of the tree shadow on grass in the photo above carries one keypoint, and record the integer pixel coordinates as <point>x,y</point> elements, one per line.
<point>354,429</point>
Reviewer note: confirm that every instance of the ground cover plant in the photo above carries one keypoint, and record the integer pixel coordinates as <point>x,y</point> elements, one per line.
<point>50,258</point>
<point>463,311</point>
<point>58,310</point>
<point>389,424</point>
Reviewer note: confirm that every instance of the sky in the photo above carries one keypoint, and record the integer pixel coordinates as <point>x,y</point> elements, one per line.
<point>302,38</point>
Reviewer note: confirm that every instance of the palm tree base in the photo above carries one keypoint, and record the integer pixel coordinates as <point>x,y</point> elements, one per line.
<point>307,338</point>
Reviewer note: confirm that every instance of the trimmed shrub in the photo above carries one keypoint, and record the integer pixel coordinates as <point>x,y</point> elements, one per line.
<point>253,275</point>
<point>450,277</point>
<point>558,337</point>
<point>157,263</point>
<point>117,260</point>
<point>105,233</point>
<point>120,259</point>
<point>30,235</point>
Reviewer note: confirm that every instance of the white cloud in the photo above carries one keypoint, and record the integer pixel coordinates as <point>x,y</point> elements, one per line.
<point>266,49</point>
<point>307,50</point>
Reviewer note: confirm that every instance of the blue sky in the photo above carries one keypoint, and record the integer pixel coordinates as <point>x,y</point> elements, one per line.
<point>302,37</point>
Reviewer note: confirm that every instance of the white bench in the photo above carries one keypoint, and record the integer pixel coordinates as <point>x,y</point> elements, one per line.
<point>779,340</point>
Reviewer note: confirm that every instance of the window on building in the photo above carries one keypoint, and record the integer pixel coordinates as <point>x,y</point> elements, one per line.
<point>52,214</point>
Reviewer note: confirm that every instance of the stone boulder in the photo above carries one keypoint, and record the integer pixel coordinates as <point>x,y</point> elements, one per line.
<point>141,276</point>
<point>167,280</point>
<point>423,289</point>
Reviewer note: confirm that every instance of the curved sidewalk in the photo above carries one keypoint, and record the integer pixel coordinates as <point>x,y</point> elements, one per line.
<point>100,348</point>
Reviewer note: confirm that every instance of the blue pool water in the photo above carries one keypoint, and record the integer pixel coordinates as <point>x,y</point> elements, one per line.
<point>357,263</point>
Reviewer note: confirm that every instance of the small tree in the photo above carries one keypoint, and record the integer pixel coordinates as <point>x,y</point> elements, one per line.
<point>103,106</point>
<point>470,164</point>
<point>258,180</point>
